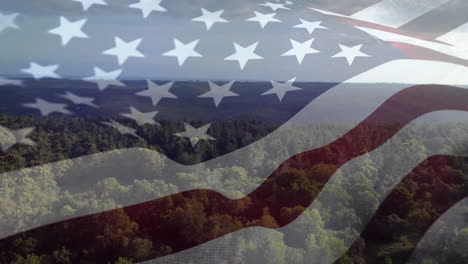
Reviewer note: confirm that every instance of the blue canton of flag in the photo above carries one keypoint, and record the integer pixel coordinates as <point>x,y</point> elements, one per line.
<point>204,61</point>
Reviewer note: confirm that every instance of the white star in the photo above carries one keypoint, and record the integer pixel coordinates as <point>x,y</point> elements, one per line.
<point>263,19</point>
<point>105,79</point>
<point>219,92</point>
<point>142,118</point>
<point>46,108</point>
<point>76,99</point>
<point>310,26</point>
<point>9,137</point>
<point>209,18</point>
<point>88,3</point>
<point>38,71</point>
<point>123,50</point>
<point>157,92</point>
<point>148,6</point>
<point>280,89</point>
<point>124,130</point>
<point>195,134</point>
<point>274,6</point>
<point>68,30</point>
<point>300,50</point>
<point>243,55</point>
<point>8,21</point>
<point>350,53</point>
<point>183,51</point>
<point>10,82</point>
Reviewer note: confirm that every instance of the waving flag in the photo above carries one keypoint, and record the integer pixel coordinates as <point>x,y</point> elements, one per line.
<point>176,132</point>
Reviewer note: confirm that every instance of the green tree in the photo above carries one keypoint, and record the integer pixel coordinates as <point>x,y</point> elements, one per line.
<point>62,256</point>
<point>31,259</point>
<point>274,249</point>
<point>123,261</point>
<point>388,260</point>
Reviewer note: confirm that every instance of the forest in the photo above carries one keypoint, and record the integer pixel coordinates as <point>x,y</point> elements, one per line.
<point>362,226</point>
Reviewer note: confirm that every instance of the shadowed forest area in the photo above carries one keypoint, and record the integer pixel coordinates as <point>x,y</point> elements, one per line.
<point>362,226</point>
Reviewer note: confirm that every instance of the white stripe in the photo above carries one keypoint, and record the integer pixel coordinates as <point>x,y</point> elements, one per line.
<point>415,72</point>
<point>327,199</point>
<point>396,13</point>
<point>341,103</point>
<point>338,105</point>
<point>455,51</point>
<point>328,12</point>
<point>457,37</point>
<point>435,239</point>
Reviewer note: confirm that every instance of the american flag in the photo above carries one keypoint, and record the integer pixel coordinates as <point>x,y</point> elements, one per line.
<point>168,131</point>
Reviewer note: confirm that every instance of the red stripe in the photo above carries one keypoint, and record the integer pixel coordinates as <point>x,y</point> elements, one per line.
<point>420,53</point>
<point>188,219</point>
<point>345,9</point>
